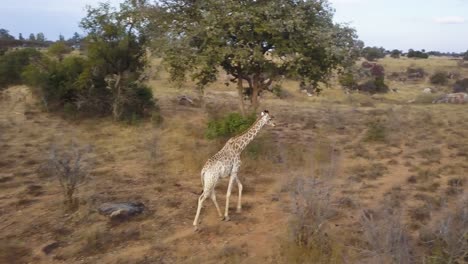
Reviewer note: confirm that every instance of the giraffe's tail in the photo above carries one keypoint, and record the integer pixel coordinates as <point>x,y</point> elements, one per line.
<point>202,181</point>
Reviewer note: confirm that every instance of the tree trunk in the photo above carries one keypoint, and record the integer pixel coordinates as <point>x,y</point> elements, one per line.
<point>240,89</point>
<point>116,111</point>
<point>255,89</point>
<point>201,96</point>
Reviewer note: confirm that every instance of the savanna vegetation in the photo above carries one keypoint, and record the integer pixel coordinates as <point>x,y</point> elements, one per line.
<point>360,168</point>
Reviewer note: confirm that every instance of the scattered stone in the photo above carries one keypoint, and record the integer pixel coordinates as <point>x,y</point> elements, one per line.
<point>452,98</point>
<point>49,247</point>
<point>427,90</point>
<point>185,100</point>
<point>121,210</point>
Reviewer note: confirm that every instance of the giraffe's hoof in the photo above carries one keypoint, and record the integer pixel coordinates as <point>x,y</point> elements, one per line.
<point>196,229</point>
<point>239,210</point>
<point>226,218</point>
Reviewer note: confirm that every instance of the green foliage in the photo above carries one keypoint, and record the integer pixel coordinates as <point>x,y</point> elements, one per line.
<point>243,36</point>
<point>369,78</point>
<point>59,50</point>
<point>376,132</point>
<point>56,82</point>
<point>116,48</point>
<point>373,53</point>
<point>139,102</point>
<point>417,54</point>
<point>279,91</point>
<point>40,37</point>
<point>440,78</point>
<point>348,80</point>
<point>5,35</point>
<point>13,63</point>
<point>230,125</point>
<point>395,54</point>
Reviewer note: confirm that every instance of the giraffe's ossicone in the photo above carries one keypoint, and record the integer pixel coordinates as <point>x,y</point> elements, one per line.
<point>226,163</point>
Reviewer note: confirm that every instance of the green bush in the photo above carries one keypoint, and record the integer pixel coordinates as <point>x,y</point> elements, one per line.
<point>139,103</point>
<point>71,86</point>
<point>56,82</point>
<point>232,124</point>
<point>13,63</point>
<point>376,132</point>
<point>374,86</point>
<point>439,78</point>
<point>348,80</point>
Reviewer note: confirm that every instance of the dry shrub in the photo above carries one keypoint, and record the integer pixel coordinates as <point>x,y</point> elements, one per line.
<point>233,254</point>
<point>376,132</point>
<point>71,167</point>
<point>386,238</point>
<point>311,212</point>
<point>421,213</point>
<point>431,154</point>
<point>449,238</point>
<point>369,171</point>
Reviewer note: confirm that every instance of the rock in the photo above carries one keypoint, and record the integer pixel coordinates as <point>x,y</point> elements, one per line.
<point>185,100</point>
<point>452,98</point>
<point>49,247</point>
<point>121,210</point>
<point>427,90</point>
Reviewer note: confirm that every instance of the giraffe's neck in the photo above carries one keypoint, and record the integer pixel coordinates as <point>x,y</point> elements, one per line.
<point>244,139</point>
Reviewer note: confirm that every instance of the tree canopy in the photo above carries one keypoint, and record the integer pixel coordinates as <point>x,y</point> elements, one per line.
<point>255,41</point>
<point>373,53</point>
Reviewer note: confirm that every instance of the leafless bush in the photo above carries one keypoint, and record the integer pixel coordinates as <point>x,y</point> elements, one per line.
<point>451,235</point>
<point>152,147</point>
<point>387,240</point>
<point>311,211</point>
<point>71,168</point>
<point>448,240</point>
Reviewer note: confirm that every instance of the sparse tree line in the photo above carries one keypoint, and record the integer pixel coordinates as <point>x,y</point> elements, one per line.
<point>375,53</point>
<point>38,40</point>
<point>254,42</point>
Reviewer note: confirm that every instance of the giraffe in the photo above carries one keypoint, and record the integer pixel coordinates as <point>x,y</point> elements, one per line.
<point>227,163</point>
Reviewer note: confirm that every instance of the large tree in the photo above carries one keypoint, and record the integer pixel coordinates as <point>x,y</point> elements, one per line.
<point>40,37</point>
<point>254,41</point>
<point>116,47</point>
<point>5,34</point>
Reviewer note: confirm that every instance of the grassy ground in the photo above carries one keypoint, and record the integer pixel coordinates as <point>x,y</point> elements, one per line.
<point>366,154</point>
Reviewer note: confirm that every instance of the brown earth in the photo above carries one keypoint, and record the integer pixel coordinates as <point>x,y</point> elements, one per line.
<point>159,165</point>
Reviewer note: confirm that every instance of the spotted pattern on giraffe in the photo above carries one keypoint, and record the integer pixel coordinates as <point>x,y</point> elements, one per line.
<point>226,163</point>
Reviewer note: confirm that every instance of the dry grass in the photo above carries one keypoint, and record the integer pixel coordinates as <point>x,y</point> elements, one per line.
<point>418,168</point>
<point>386,238</point>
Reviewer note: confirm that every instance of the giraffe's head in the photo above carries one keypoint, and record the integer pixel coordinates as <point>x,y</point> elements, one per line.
<point>269,118</point>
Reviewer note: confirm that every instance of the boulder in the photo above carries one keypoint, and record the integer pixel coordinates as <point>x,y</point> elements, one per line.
<point>121,210</point>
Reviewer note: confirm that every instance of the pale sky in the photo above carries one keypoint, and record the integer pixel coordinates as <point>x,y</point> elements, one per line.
<point>440,25</point>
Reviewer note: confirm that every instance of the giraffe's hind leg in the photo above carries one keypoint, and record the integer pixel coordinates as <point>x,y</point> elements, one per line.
<point>213,198</point>
<point>201,199</point>
<point>228,195</point>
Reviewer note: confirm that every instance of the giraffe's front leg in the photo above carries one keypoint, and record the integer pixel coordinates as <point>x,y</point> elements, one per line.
<point>228,194</point>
